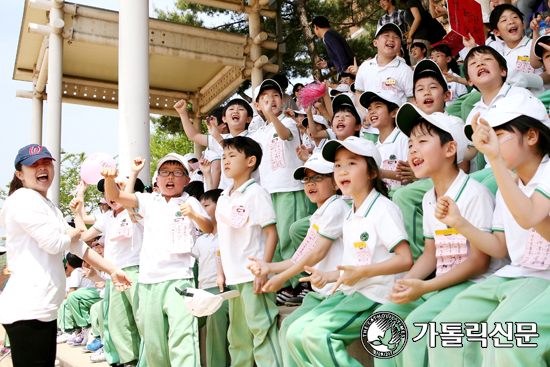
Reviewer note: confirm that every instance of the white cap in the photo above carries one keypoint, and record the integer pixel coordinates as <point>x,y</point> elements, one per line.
<point>385,95</point>
<point>347,99</point>
<point>408,116</point>
<point>342,88</point>
<point>267,84</point>
<point>363,147</point>
<point>202,303</point>
<point>173,157</point>
<point>102,201</point>
<point>301,111</point>
<point>316,163</point>
<point>190,156</point>
<point>507,109</point>
<point>318,119</point>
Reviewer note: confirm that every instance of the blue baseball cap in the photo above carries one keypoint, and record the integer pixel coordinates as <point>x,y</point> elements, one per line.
<point>31,153</point>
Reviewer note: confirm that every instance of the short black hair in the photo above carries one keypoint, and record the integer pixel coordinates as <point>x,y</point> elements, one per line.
<point>347,108</point>
<point>217,113</point>
<point>346,75</point>
<point>427,128</point>
<point>432,75</point>
<point>391,106</point>
<point>321,22</point>
<point>295,88</point>
<point>195,189</point>
<point>211,195</point>
<point>420,45</point>
<point>245,145</point>
<point>497,13</point>
<point>240,102</point>
<point>523,123</point>
<point>485,50</point>
<point>74,260</point>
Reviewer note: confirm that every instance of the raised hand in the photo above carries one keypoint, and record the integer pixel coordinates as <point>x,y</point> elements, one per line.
<point>469,42</point>
<point>75,206</point>
<point>485,139</point>
<point>137,164</point>
<point>447,212</point>
<point>181,107</point>
<point>109,172</point>
<point>302,152</point>
<point>352,69</point>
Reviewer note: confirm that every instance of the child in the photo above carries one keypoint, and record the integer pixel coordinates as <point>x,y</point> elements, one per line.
<point>393,145</point>
<point>507,23</point>
<point>279,140</point>
<point>207,253</point>
<point>437,143</point>
<point>443,57</point>
<point>345,122</point>
<point>169,220</point>
<point>317,143</point>
<point>322,248</point>
<point>498,298</point>
<point>237,114</point>
<point>418,51</point>
<point>386,71</point>
<point>193,164</point>
<point>375,252</point>
<point>246,226</point>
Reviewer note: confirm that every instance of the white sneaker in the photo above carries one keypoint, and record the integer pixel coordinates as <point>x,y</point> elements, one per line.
<point>64,337</point>
<point>98,356</point>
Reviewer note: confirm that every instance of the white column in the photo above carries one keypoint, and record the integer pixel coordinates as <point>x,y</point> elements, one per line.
<point>55,92</point>
<point>255,50</point>
<point>133,85</point>
<point>36,116</point>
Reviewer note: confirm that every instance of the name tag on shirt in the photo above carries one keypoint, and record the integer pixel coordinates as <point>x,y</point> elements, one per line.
<point>390,165</point>
<point>307,244</point>
<point>390,84</point>
<point>122,232</point>
<point>238,217</point>
<point>180,236</point>
<point>218,259</point>
<point>363,253</point>
<point>537,252</point>
<point>523,65</point>
<point>276,154</point>
<point>451,249</point>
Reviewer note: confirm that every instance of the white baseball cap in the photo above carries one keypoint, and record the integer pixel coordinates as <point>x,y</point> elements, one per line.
<point>318,119</point>
<point>385,95</point>
<point>507,109</point>
<point>316,163</point>
<point>173,157</point>
<point>301,111</point>
<point>347,99</point>
<point>267,84</point>
<point>202,303</point>
<point>408,116</point>
<point>363,147</point>
<point>539,50</point>
<point>102,201</point>
<point>341,88</point>
<point>190,156</point>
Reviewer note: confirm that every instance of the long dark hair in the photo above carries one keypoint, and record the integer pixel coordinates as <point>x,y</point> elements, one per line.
<point>15,183</point>
<point>377,183</point>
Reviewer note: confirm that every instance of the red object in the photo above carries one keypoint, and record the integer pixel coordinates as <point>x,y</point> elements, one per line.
<point>465,18</point>
<point>311,93</point>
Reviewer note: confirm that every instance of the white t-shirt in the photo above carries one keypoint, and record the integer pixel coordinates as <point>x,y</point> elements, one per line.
<point>237,244</point>
<point>124,252</point>
<point>371,77</point>
<point>36,243</point>
<point>278,179</point>
<point>329,219</point>
<point>215,147</point>
<point>394,148</point>
<point>544,184</point>
<point>158,261</point>
<point>205,251</point>
<point>379,224</point>
<point>77,280</point>
<point>518,61</point>
<point>516,237</point>
<point>319,148</point>
<point>456,89</point>
<point>476,204</point>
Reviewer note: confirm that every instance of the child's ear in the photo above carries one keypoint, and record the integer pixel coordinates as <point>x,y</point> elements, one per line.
<point>451,149</point>
<point>375,42</point>
<point>248,119</point>
<point>496,32</point>
<point>393,114</point>
<point>223,119</point>
<point>470,83</point>
<point>358,127</point>
<point>257,105</point>
<point>532,137</point>
<point>448,95</point>
<point>19,175</point>
<point>251,161</point>
<point>449,58</point>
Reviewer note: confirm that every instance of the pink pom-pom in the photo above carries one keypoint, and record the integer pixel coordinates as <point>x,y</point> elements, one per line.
<point>311,93</point>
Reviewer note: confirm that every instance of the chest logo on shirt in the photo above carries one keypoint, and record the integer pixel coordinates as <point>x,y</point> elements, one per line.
<point>393,156</point>
<point>391,81</point>
<point>275,135</point>
<point>364,236</point>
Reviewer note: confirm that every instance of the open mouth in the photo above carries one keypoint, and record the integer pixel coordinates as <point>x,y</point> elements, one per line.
<point>345,183</point>
<point>43,177</point>
<point>235,118</point>
<point>417,162</point>
<point>340,126</point>
<point>513,30</point>
<point>312,191</point>
<point>390,46</point>
<point>112,202</point>
<point>170,185</point>
<point>482,72</point>
<point>428,102</point>
<point>373,118</point>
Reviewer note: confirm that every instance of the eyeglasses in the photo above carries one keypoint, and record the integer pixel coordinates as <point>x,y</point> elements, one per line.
<point>344,79</point>
<point>316,178</point>
<point>175,173</point>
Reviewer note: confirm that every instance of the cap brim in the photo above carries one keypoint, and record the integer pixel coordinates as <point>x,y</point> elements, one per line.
<point>344,99</point>
<point>429,67</point>
<point>468,131</point>
<point>33,159</point>
<point>266,85</point>
<point>101,185</point>
<point>407,117</point>
<point>300,172</point>
<point>539,50</point>
<point>233,102</point>
<point>330,148</point>
<point>391,27</point>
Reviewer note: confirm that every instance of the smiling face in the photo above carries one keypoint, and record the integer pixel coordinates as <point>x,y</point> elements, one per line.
<point>344,124</point>
<point>235,163</point>
<point>350,172</point>
<point>510,27</point>
<point>172,186</point>
<point>378,115</point>
<point>484,71</point>
<point>38,176</point>
<point>276,101</point>
<point>426,155</point>
<point>388,43</point>
<point>318,192</point>
<point>546,59</point>
<point>236,117</point>
<point>385,4</point>
<point>429,95</point>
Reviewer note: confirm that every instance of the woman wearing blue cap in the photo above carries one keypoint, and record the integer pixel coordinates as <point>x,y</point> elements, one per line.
<point>37,238</point>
